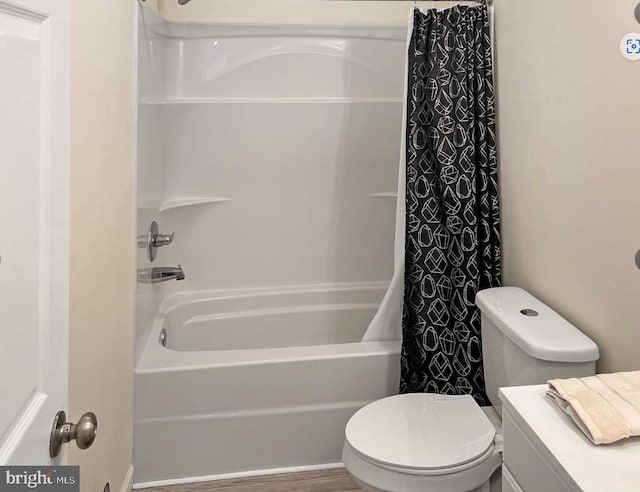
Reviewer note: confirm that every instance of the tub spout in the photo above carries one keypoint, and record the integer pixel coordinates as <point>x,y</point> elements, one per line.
<point>160,274</point>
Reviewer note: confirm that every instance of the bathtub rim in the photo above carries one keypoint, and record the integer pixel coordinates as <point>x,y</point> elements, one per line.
<point>155,358</point>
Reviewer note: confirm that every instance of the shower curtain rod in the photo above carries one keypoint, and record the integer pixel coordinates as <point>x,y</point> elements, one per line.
<point>486,2</point>
<point>429,1</point>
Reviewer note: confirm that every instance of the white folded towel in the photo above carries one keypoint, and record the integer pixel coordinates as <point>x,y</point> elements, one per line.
<point>606,407</point>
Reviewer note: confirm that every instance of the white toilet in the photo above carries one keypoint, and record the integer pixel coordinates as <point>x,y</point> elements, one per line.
<point>442,443</point>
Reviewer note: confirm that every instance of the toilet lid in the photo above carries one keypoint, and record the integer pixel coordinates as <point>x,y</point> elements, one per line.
<point>421,431</point>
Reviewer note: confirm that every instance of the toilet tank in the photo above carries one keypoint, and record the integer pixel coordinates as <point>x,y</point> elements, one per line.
<point>525,342</point>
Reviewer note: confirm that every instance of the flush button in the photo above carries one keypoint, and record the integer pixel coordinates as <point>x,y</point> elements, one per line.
<point>529,312</point>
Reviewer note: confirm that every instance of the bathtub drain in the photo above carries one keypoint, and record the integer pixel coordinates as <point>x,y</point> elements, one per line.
<point>163,337</point>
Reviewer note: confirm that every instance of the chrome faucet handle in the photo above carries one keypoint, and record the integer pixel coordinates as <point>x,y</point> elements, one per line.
<point>159,240</point>
<point>154,240</point>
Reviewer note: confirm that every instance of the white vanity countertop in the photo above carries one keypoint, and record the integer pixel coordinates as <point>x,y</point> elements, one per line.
<point>604,468</point>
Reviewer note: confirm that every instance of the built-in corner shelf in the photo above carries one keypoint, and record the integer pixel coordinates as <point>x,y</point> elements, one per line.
<point>187,202</point>
<point>386,194</point>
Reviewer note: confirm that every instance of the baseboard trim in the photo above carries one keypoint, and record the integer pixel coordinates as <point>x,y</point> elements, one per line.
<point>127,483</point>
<point>244,474</point>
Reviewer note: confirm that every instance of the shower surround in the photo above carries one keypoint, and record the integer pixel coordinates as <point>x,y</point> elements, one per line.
<point>272,153</point>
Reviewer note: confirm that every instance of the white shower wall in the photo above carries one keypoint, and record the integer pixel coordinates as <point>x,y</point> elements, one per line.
<point>271,151</point>
<point>150,167</point>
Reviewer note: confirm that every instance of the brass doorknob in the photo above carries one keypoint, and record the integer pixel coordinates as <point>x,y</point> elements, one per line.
<point>84,432</point>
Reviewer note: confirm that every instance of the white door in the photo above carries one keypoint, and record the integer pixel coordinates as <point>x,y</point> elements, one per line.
<point>34,225</point>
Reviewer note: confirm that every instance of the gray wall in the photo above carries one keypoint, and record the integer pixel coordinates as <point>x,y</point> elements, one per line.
<point>569,129</point>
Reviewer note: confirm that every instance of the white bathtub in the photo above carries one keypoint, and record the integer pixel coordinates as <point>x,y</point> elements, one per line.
<point>256,381</point>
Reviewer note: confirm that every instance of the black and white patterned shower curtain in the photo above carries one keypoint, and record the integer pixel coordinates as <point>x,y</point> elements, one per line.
<point>452,242</point>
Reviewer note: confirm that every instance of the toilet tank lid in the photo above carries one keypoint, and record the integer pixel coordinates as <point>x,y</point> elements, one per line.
<point>534,327</point>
